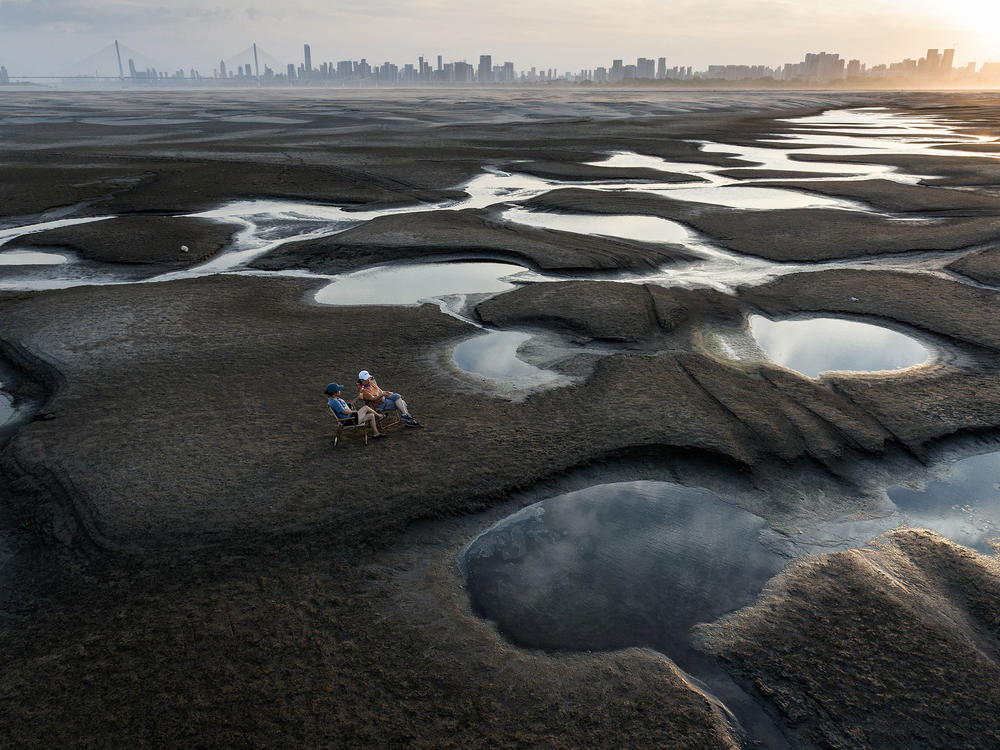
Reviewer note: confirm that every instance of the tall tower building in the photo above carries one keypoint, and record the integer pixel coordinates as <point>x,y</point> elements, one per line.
<point>947,61</point>
<point>222,68</point>
<point>617,72</point>
<point>307,53</point>
<point>485,68</point>
<point>933,62</point>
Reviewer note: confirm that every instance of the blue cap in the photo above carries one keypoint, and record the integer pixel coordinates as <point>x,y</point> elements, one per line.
<point>333,388</point>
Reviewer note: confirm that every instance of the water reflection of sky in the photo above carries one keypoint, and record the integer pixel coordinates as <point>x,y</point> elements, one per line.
<point>636,563</point>
<point>493,355</point>
<point>825,344</point>
<point>411,283</point>
<point>30,258</point>
<point>6,406</point>
<point>965,507</point>
<point>641,228</point>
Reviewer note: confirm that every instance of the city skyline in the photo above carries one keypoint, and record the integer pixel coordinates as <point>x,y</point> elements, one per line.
<point>256,67</point>
<point>565,37</point>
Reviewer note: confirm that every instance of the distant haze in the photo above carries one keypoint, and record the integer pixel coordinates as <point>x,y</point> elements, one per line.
<point>40,37</point>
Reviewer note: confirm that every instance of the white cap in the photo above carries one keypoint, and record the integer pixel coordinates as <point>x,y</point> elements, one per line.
<point>364,375</point>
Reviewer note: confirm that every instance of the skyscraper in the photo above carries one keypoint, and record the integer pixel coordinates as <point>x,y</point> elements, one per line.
<point>485,68</point>
<point>933,62</point>
<point>308,58</point>
<point>947,61</point>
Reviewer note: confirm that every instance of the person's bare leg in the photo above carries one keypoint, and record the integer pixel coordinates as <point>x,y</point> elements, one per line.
<point>367,416</point>
<point>401,406</point>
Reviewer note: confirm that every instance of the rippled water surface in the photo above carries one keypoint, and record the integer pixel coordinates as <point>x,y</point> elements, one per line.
<point>964,507</point>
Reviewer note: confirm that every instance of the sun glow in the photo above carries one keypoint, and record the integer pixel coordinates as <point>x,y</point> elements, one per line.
<point>978,18</point>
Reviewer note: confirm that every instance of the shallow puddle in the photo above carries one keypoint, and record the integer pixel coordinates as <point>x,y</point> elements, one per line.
<point>756,198</point>
<point>493,355</point>
<point>31,258</point>
<point>819,345</point>
<point>7,410</point>
<point>965,507</point>
<point>635,563</point>
<point>641,228</point>
<point>628,159</point>
<point>412,283</point>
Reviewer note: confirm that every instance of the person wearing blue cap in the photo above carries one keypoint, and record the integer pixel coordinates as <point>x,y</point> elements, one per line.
<point>342,410</point>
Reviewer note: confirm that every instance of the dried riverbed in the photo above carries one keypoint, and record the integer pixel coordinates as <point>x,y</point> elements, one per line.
<point>186,558</point>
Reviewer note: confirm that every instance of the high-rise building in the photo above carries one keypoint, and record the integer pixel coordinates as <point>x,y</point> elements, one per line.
<point>947,62</point>
<point>307,53</point>
<point>617,74</point>
<point>4,78</point>
<point>645,67</point>
<point>485,72</point>
<point>661,68</point>
<point>933,64</point>
<point>440,69</point>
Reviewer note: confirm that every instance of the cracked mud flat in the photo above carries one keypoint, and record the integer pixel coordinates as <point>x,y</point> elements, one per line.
<point>197,565</point>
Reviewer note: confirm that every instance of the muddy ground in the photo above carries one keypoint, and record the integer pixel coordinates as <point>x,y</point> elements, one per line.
<point>191,562</point>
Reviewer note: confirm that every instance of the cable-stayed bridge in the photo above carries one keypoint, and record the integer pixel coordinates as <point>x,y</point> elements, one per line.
<point>116,61</point>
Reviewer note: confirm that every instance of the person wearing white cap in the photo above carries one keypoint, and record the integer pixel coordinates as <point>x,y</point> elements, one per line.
<point>380,400</point>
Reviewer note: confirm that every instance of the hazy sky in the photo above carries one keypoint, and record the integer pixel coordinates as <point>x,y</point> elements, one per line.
<point>51,36</point>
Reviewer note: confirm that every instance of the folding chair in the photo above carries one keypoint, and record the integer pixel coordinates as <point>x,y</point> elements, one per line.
<point>348,424</point>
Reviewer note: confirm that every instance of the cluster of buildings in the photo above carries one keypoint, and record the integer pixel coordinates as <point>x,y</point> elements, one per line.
<point>821,68</point>
<point>423,71</point>
<point>936,68</point>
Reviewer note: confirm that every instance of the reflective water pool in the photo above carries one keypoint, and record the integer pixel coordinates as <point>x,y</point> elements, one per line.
<point>756,198</point>
<point>635,563</point>
<point>6,406</point>
<point>820,345</point>
<point>641,228</point>
<point>964,507</point>
<point>30,258</point>
<point>493,355</point>
<point>413,283</point>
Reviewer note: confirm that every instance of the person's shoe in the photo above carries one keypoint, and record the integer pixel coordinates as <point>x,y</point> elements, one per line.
<point>380,435</point>
<point>410,421</point>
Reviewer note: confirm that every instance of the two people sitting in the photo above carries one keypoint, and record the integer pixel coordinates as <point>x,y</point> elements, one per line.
<point>377,399</point>
<point>343,411</point>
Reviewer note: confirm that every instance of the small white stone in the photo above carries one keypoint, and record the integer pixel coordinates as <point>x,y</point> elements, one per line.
<point>184,248</point>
